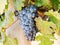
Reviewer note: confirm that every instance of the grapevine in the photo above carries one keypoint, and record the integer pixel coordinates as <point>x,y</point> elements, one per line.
<point>26,17</point>
<point>39,20</point>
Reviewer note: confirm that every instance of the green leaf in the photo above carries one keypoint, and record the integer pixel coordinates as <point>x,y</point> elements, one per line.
<point>18,4</point>
<point>54,17</point>
<point>59,0</point>
<point>2,5</point>
<point>9,17</point>
<point>55,4</point>
<point>59,6</point>
<point>45,27</point>
<point>38,3</point>
<point>45,39</point>
<point>10,41</point>
<point>2,20</point>
<point>44,3</point>
<point>5,40</point>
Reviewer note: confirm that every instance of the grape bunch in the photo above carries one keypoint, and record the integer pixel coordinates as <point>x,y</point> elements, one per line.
<point>26,16</point>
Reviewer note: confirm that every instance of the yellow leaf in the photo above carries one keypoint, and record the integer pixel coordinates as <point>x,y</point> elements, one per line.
<point>2,5</point>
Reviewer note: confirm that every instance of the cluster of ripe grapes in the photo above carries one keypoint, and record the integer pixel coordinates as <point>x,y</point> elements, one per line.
<point>26,16</point>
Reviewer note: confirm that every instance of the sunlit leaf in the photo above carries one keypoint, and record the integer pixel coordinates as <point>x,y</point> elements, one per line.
<point>45,26</point>
<point>18,4</point>
<point>45,39</point>
<point>2,5</point>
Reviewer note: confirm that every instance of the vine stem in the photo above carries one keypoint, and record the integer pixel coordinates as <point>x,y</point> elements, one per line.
<point>12,24</point>
<point>11,5</point>
<point>14,30</point>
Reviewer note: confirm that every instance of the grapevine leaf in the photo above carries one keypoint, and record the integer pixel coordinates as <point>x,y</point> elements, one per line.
<point>38,3</point>
<point>55,4</point>
<point>2,37</point>
<point>18,4</point>
<point>6,40</point>
<point>54,17</point>
<point>45,26</point>
<point>9,18</point>
<point>9,41</point>
<point>3,21</point>
<point>45,39</point>
<point>45,3</point>
<point>2,5</point>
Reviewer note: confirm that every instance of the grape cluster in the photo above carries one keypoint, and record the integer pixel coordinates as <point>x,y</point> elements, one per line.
<point>26,16</point>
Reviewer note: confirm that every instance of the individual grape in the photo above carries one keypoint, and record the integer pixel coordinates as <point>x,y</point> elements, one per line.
<point>26,8</point>
<point>32,8</point>
<point>26,17</point>
<point>23,11</point>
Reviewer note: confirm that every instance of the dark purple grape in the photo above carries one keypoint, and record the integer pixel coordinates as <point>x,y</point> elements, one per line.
<point>26,17</point>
